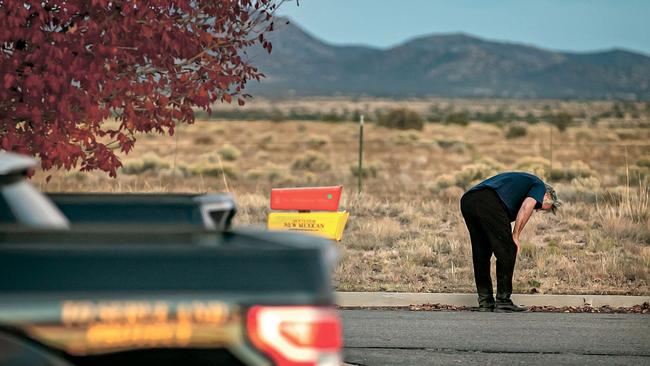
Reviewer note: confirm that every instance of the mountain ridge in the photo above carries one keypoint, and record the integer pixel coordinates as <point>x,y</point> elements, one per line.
<point>445,65</point>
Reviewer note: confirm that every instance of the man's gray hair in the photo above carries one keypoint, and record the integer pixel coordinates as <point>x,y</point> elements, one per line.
<point>555,202</point>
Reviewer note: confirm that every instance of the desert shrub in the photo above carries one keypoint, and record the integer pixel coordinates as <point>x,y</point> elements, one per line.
<point>634,175</point>
<point>317,141</point>
<point>271,173</point>
<point>491,117</point>
<point>471,174</point>
<point>614,195</point>
<point>229,152</point>
<point>312,161</point>
<point>213,170</point>
<point>148,162</point>
<point>401,119</point>
<point>607,137</point>
<point>644,161</point>
<point>243,114</point>
<point>453,145</point>
<point>302,114</point>
<point>434,114</point>
<point>533,164</point>
<point>576,169</point>
<point>180,171</point>
<point>627,134</point>
<point>586,190</point>
<point>76,175</point>
<point>370,170</point>
<point>584,134</point>
<point>452,194</point>
<point>474,173</point>
<point>458,118</point>
<point>406,137</point>
<point>590,183</point>
<point>333,116</point>
<point>443,181</point>
<point>356,116</point>
<point>531,118</point>
<point>490,162</point>
<point>204,140</point>
<point>561,120</point>
<point>467,176</point>
<point>265,140</point>
<point>516,131</point>
<point>276,115</point>
<point>433,118</point>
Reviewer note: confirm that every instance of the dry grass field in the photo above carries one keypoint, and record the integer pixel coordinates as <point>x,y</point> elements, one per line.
<point>405,231</point>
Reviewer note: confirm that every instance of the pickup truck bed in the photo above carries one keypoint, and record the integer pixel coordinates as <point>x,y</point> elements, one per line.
<point>166,260</point>
<point>90,295</point>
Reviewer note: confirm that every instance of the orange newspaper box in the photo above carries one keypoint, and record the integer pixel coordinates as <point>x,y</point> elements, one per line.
<point>306,199</point>
<point>329,224</point>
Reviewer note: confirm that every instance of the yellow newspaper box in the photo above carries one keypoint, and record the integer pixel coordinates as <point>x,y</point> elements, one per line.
<point>327,224</point>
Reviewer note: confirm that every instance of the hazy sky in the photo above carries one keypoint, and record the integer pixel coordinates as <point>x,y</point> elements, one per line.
<point>568,25</point>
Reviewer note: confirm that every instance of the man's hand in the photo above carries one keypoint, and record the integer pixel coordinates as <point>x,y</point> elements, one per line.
<point>517,243</point>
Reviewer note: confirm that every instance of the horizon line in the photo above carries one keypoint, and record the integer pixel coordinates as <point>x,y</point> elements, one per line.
<point>461,33</point>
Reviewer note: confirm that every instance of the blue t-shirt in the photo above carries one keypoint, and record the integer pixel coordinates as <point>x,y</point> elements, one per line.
<point>513,188</point>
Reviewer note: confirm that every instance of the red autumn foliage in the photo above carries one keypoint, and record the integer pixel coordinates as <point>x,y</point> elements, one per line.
<point>67,66</point>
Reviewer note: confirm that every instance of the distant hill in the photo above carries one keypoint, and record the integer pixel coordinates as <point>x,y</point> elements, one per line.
<point>449,65</point>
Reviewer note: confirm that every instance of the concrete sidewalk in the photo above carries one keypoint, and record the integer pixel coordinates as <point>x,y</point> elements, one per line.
<point>381,299</point>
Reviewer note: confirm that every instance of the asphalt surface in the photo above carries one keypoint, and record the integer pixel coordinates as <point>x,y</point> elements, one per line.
<point>400,337</point>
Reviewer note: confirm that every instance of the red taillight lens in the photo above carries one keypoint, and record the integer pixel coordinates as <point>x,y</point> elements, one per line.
<point>297,335</point>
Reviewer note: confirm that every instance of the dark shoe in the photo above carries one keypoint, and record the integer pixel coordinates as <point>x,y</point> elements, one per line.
<point>506,306</point>
<point>486,308</point>
<point>485,303</point>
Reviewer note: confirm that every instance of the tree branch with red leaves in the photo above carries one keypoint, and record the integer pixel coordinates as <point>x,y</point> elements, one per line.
<point>68,66</point>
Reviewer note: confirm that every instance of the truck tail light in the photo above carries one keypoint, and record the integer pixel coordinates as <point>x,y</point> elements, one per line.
<point>297,335</point>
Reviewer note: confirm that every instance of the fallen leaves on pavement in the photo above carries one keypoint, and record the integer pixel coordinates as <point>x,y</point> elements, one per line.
<point>636,309</point>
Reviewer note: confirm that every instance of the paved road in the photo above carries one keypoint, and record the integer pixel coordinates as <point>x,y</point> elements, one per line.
<point>378,337</point>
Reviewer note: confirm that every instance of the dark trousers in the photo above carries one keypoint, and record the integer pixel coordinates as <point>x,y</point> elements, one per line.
<point>489,230</point>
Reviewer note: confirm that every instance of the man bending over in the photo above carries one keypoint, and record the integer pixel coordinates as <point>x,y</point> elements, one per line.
<point>488,209</point>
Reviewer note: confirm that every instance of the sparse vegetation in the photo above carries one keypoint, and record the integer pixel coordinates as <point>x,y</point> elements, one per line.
<point>317,141</point>
<point>576,169</point>
<point>534,164</point>
<point>311,161</point>
<point>406,138</point>
<point>229,152</point>
<point>453,145</point>
<point>204,140</point>
<point>405,232</point>
<point>214,170</point>
<point>401,119</point>
<point>370,170</point>
<point>516,131</point>
<point>270,173</point>
<point>459,118</point>
<point>561,120</point>
<point>149,162</point>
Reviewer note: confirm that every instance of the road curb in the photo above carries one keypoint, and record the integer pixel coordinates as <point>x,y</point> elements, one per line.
<point>389,299</point>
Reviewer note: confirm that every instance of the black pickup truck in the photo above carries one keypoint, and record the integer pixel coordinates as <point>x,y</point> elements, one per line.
<point>158,294</point>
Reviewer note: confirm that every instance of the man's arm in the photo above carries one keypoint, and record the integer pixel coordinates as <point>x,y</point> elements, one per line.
<point>525,211</point>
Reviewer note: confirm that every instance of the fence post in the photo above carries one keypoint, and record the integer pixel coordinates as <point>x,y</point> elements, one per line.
<point>360,172</point>
<point>550,173</point>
